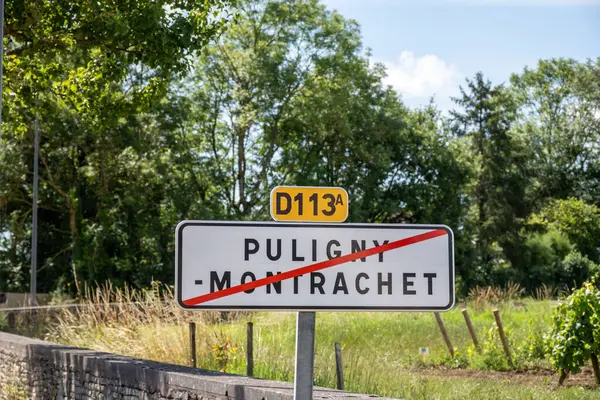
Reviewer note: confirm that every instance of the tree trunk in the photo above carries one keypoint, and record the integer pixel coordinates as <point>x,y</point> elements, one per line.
<point>481,190</point>
<point>596,368</point>
<point>72,220</point>
<point>242,169</point>
<point>74,240</point>
<point>563,376</point>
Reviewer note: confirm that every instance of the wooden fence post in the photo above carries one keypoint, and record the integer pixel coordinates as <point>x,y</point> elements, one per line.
<point>503,336</point>
<point>12,320</point>
<point>339,368</point>
<point>193,344</point>
<point>471,329</point>
<point>438,318</point>
<point>249,349</point>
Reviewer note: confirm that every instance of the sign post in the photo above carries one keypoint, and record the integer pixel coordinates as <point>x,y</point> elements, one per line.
<point>305,355</point>
<point>313,266</point>
<point>305,204</point>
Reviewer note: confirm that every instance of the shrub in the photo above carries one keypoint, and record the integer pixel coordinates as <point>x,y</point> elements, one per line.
<point>533,347</point>
<point>575,269</point>
<point>575,336</point>
<point>550,260</point>
<point>542,255</point>
<point>459,360</point>
<point>492,355</point>
<point>578,220</point>
<point>224,351</point>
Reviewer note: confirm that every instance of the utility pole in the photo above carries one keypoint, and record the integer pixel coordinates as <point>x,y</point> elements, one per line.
<point>34,212</point>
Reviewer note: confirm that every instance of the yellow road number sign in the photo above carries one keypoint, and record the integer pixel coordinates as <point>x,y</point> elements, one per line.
<point>308,203</point>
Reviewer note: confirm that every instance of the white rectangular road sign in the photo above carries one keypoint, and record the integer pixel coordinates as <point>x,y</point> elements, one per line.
<point>311,266</point>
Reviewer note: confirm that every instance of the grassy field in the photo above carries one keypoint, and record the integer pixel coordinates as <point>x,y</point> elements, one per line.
<point>380,350</point>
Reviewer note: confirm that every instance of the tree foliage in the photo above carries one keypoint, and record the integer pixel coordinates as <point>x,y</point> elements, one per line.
<point>500,178</point>
<point>575,218</point>
<point>153,112</point>
<point>288,96</point>
<point>559,113</point>
<point>96,73</point>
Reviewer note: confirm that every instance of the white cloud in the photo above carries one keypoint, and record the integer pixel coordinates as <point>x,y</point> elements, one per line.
<point>523,2</point>
<point>419,78</point>
<point>400,3</point>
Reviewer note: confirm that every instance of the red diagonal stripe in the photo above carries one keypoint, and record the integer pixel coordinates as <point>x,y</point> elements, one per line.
<point>314,267</point>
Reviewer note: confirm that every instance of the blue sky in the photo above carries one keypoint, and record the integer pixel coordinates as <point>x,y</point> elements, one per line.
<point>430,46</point>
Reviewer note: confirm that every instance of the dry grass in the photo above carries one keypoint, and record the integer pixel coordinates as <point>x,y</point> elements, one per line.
<point>480,297</point>
<point>546,292</point>
<point>139,323</point>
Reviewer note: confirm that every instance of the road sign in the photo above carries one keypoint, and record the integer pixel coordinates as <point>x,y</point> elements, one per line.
<point>308,203</point>
<point>306,266</point>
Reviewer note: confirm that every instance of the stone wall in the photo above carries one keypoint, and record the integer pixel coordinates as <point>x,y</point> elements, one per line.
<point>34,369</point>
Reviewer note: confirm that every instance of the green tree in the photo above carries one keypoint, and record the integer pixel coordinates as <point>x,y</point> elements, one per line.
<point>559,113</point>
<point>247,90</point>
<point>288,96</point>
<point>97,74</point>
<point>500,176</point>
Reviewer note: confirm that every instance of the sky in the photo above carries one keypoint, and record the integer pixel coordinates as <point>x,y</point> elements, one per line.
<point>430,46</point>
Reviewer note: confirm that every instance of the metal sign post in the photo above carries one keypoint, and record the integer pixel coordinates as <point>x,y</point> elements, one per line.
<point>305,356</point>
<point>293,203</point>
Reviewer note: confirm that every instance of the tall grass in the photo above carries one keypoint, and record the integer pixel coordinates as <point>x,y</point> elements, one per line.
<point>380,350</point>
<point>144,323</point>
<point>483,296</point>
